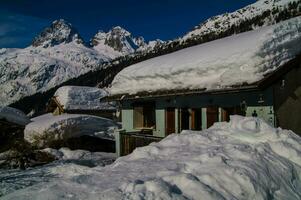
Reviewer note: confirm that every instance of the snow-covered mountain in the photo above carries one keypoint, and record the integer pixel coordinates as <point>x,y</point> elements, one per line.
<point>120,42</point>
<point>59,32</point>
<point>253,16</point>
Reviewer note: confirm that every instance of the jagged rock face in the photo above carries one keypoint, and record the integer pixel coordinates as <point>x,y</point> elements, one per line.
<point>59,32</point>
<point>120,40</point>
<point>100,36</point>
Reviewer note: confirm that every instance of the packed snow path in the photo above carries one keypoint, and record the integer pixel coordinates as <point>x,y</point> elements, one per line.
<point>243,159</point>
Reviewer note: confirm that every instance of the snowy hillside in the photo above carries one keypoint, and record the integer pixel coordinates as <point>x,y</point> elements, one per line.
<point>232,61</point>
<point>261,13</point>
<point>244,159</point>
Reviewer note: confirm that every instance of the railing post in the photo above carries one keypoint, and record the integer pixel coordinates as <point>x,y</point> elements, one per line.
<point>117,142</point>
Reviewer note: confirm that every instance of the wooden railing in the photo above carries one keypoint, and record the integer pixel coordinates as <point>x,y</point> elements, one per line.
<point>129,141</point>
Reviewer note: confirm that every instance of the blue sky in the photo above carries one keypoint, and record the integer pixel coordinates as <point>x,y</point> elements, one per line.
<point>21,20</point>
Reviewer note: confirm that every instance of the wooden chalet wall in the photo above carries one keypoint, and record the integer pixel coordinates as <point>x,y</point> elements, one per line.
<point>287,100</point>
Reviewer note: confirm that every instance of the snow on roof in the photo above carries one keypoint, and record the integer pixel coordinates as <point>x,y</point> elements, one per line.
<point>49,126</point>
<point>243,159</point>
<point>82,98</point>
<point>231,61</point>
<point>13,115</point>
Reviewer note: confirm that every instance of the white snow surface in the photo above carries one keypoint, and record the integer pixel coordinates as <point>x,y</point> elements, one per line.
<point>13,115</point>
<point>231,61</point>
<point>48,127</point>
<point>82,98</point>
<point>243,159</point>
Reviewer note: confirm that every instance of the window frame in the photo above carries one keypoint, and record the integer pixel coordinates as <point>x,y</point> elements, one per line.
<point>145,107</point>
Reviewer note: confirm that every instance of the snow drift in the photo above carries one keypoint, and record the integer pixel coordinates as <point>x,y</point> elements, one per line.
<point>243,159</point>
<point>82,98</point>
<point>13,115</point>
<point>47,128</point>
<point>232,61</point>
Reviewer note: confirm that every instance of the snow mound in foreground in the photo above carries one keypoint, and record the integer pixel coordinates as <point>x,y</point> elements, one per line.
<point>232,61</point>
<point>47,128</point>
<point>13,115</point>
<point>82,98</point>
<point>243,159</point>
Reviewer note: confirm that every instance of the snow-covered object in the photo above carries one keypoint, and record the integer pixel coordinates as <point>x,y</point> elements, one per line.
<point>82,98</point>
<point>47,128</point>
<point>13,115</point>
<point>244,159</point>
<point>235,60</point>
<point>223,22</point>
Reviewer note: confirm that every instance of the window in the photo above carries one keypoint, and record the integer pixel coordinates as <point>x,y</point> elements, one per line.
<point>144,116</point>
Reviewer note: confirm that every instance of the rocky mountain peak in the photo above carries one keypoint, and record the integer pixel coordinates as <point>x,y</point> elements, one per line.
<point>117,38</point>
<point>59,32</point>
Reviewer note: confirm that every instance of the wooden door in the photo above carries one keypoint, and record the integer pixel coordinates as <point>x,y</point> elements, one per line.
<point>184,119</point>
<point>170,121</point>
<point>212,115</point>
<point>226,112</point>
<point>196,119</point>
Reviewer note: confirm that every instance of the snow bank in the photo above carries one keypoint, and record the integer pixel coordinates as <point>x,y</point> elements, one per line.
<point>82,98</point>
<point>242,58</point>
<point>13,115</point>
<point>69,162</point>
<point>243,159</point>
<point>48,128</point>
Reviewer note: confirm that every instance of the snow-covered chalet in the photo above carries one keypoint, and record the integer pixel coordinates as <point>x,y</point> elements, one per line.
<point>81,100</point>
<point>255,73</point>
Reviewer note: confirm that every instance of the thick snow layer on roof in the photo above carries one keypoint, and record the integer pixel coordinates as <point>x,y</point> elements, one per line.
<point>13,115</point>
<point>243,159</point>
<point>238,59</point>
<point>48,127</point>
<point>82,98</point>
